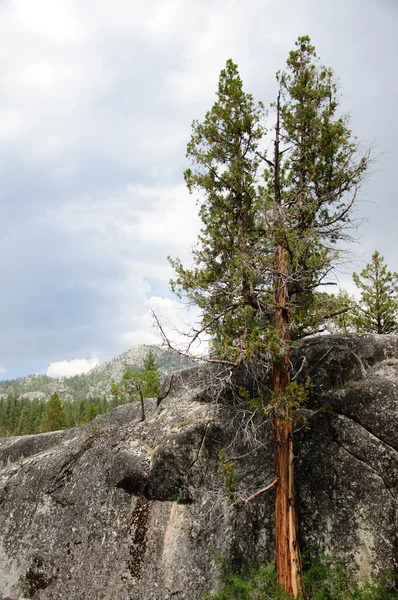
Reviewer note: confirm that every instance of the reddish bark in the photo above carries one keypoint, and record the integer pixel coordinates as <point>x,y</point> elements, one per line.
<point>288,560</point>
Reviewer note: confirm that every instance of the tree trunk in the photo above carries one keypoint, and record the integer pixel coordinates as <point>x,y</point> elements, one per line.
<point>142,406</point>
<point>288,559</point>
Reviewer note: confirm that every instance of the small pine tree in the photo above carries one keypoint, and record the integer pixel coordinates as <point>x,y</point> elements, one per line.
<point>118,394</point>
<point>54,416</point>
<point>138,385</point>
<point>151,376</point>
<point>377,311</point>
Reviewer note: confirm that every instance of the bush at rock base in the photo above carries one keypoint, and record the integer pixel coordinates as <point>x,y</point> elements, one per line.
<point>322,580</point>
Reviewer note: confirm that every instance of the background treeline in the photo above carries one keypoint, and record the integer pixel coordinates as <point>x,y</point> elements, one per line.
<point>21,416</point>
<point>97,382</point>
<point>24,416</point>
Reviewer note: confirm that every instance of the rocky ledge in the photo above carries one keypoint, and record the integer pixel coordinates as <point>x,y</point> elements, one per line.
<point>124,510</point>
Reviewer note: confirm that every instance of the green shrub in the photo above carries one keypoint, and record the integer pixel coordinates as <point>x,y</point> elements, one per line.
<point>259,584</point>
<point>322,581</point>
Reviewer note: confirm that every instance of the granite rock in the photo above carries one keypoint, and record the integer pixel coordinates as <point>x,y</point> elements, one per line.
<point>122,509</point>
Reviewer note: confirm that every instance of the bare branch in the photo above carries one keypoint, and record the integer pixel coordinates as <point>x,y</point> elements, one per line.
<point>188,354</point>
<point>256,494</point>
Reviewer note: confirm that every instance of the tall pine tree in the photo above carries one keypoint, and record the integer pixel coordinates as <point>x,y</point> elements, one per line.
<point>271,222</point>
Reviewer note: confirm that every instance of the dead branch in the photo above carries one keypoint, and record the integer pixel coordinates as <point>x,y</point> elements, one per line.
<point>188,354</point>
<point>250,498</point>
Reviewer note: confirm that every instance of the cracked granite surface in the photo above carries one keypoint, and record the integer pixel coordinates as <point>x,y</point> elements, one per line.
<point>128,510</point>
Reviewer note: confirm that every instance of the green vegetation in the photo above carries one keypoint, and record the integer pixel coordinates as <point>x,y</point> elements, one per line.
<point>274,205</point>
<point>257,584</point>
<point>138,385</point>
<point>54,417</point>
<point>21,415</point>
<point>322,581</point>
<point>377,311</point>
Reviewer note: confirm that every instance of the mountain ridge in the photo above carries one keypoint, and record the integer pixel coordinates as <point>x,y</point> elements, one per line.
<point>97,381</point>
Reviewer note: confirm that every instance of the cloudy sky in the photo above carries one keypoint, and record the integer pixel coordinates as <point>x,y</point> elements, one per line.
<point>96,104</point>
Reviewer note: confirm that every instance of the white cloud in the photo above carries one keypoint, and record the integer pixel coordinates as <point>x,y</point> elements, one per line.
<point>51,20</point>
<point>11,124</point>
<point>67,368</point>
<point>2,368</point>
<point>173,217</point>
<point>177,320</point>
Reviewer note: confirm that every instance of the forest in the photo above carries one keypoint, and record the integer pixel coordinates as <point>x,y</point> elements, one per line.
<point>21,415</point>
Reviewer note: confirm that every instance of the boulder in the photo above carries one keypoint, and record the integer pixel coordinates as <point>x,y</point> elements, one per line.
<point>122,509</point>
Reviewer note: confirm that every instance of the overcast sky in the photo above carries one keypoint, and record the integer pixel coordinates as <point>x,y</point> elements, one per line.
<point>96,104</point>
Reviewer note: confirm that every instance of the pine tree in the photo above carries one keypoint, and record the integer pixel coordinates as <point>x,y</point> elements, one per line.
<point>54,416</point>
<point>377,311</point>
<point>138,385</point>
<point>151,376</point>
<point>270,227</point>
<point>119,394</point>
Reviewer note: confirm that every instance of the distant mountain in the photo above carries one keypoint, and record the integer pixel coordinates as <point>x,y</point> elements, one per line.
<point>97,382</point>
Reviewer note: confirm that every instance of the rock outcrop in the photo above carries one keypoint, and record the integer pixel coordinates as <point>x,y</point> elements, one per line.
<point>124,510</point>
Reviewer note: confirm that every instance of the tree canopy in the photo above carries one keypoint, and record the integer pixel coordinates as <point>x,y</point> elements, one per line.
<point>294,200</point>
